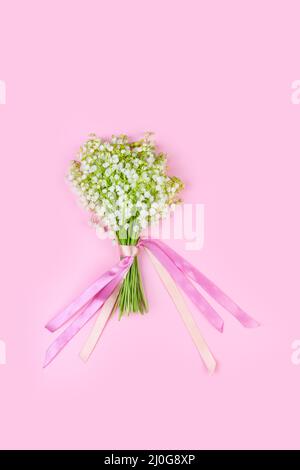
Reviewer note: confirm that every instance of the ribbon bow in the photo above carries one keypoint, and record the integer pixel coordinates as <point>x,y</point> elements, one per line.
<point>174,271</point>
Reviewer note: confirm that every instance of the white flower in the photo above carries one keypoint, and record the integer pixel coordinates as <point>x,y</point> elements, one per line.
<point>100,210</point>
<point>123,181</point>
<point>143,213</point>
<point>100,232</point>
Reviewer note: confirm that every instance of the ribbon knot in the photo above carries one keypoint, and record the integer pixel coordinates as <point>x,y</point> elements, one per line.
<point>128,250</point>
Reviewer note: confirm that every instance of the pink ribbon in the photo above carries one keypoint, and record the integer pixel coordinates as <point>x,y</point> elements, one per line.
<point>92,300</point>
<point>180,269</point>
<point>94,297</point>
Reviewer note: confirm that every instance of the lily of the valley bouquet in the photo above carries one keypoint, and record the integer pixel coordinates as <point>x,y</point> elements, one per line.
<point>125,186</point>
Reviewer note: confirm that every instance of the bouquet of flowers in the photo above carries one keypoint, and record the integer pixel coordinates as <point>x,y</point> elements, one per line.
<point>125,186</point>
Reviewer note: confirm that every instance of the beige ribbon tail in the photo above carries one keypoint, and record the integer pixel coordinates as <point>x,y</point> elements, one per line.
<point>103,316</point>
<point>186,316</point>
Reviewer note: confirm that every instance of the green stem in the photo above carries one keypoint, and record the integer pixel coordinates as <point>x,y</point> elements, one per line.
<point>131,296</point>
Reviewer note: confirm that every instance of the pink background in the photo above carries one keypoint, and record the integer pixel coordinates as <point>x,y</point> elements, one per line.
<point>213,80</point>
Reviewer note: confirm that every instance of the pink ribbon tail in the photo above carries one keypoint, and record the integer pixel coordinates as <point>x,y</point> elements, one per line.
<point>188,270</point>
<point>106,285</point>
<point>61,318</point>
<point>190,290</point>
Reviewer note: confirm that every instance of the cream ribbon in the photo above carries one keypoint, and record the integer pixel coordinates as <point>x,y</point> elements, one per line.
<point>99,325</point>
<point>186,316</point>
